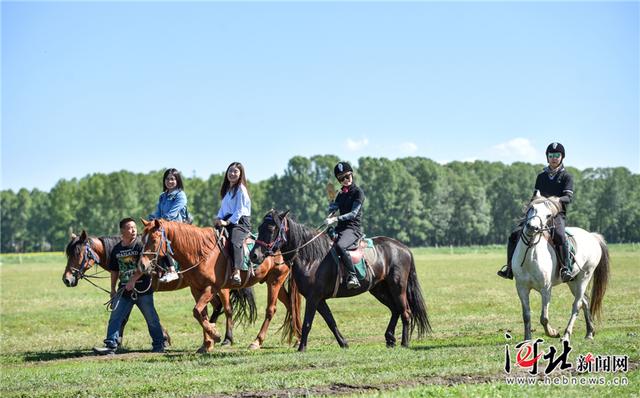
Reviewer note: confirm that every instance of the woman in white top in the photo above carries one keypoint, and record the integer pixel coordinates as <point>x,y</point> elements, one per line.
<point>235,214</point>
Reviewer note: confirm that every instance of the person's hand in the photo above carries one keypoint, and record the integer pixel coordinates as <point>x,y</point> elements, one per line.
<point>223,223</point>
<point>331,220</point>
<point>129,286</point>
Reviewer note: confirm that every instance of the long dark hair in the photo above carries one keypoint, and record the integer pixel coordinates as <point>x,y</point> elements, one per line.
<point>226,184</point>
<point>178,177</point>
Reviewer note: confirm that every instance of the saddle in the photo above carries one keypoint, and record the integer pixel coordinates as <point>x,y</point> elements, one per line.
<point>364,253</point>
<point>224,244</point>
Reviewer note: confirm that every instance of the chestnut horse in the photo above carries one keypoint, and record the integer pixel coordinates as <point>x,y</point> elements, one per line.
<point>208,274</point>
<point>84,251</point>
<point>392,277</point>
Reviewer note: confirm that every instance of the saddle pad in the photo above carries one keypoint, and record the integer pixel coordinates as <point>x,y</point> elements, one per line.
<point>361,266</point>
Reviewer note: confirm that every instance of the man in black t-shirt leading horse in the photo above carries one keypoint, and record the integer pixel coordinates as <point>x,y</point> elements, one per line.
<point>553,181</point>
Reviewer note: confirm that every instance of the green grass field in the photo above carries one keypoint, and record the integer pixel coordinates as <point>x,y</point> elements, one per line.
<point>47,331</point>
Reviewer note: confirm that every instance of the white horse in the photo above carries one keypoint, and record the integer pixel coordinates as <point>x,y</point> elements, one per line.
<point>535,266</point>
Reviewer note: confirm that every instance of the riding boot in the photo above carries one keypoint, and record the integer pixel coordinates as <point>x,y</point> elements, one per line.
<point>506,271</point>
<point>352,280</point>
<point>565,262</point>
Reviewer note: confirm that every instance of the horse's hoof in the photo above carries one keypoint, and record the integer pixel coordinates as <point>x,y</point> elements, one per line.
<point>201,350</point>
<point>391,344</point>
<point>227,342</point>
<point>589,336</point>
<point>254,346</point>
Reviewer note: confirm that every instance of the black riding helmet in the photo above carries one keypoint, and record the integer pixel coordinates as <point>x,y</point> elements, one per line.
<point>342,168</point>
<point>555,147</point>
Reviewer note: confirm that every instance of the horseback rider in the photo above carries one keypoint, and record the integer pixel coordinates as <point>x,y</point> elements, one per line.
<point>349,203</point>
<point>235,215</point>
<point>553,181</point>
<point>172,206</point>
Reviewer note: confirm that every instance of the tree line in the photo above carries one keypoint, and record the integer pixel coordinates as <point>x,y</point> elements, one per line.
<point>415,200</point>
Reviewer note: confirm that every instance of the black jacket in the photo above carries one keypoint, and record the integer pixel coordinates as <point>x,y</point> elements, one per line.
<point>559,184</point>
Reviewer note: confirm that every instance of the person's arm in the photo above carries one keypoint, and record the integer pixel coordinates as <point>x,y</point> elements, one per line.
<point>114,282</point>
<point>567,192</point>
<point>333,206</point>
<point>132,282</point>
<point>177,205</point>
<point>241,202</point>
<point>537,187</point>
<point>355,208</point>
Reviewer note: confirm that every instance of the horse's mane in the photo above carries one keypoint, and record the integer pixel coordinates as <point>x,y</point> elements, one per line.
<point>554,200</point>
<point>301,234</point>
<point>192,239</point>
<point>109,242</point>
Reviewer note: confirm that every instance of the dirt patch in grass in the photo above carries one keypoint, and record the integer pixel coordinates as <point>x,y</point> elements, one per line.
<point>344,389</point>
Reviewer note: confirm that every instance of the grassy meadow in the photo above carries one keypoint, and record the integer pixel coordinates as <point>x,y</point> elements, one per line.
<point>47,331</point>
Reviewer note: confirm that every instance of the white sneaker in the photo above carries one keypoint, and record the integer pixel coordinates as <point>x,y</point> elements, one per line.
<point>168,277</point>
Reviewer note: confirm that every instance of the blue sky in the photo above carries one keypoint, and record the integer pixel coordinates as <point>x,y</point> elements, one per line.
<point>100,87</point>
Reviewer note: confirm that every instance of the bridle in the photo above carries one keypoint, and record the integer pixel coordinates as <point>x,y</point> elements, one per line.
<point>283,230</point>
<point>532,238</point>
<point>89,255</point>
<point>159,252</point>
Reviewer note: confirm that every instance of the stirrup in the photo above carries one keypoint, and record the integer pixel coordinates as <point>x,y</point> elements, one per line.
<point>352,282</point>
<point>566,276</point>
<point>505,272</point>
<point>235,279</point>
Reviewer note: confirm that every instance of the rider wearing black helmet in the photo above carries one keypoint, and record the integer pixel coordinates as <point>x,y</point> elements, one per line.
<point>349,203</point>
<point>553,181</point>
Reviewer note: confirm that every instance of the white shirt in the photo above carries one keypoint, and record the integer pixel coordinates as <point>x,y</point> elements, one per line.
<point>237,205</point>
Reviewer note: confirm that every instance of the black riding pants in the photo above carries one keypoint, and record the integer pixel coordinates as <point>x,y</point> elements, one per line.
<point>237,234</point>
<point>347,239</point>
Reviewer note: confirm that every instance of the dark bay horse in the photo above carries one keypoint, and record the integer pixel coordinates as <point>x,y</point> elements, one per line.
<point>392,277</point>
<point>84,251</point>
<point>208,274</point>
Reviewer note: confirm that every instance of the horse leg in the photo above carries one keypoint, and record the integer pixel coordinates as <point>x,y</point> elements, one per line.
<point>523,293</point>
<point>225,302</point>
<point>544,316</point>
<point>274,283</point>
<point>325,311</point>
<point>577,288</point>
<point>210,333</point>
<point>399,296</point>
<point>309,313</point>
<point>587,318</point>
<point>381,292</point>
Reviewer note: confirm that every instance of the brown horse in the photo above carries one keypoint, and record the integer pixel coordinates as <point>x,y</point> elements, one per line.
<point>208,276</point>
<point>84,252</point>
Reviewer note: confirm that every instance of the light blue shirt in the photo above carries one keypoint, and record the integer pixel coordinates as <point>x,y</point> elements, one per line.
<point>172,206</point>
<point>237,205</point>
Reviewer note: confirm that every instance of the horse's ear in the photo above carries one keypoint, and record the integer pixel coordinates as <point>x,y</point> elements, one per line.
<point>72,236</point>
<point>144,222</point>
<point>537,195</point>
<point>156,223</point>
<point>83,236</point>
<point>283,215</point>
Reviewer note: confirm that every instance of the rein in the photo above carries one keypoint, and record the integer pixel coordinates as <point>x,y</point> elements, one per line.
<point>154,262</point>
<point>283,228</point>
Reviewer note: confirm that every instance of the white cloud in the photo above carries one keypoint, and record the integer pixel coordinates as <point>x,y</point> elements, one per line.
<point>408,148</point>
<point>356,145</point>
<point>517,149</point>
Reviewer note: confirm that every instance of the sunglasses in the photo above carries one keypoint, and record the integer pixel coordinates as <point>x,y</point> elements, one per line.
<point>344,177</point>
<point>554,155</point>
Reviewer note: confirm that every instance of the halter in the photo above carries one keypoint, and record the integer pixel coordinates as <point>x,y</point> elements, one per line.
<point>532,239</point>
<point>157,253</point>
<point>274,246</point>
<point>89,254</point>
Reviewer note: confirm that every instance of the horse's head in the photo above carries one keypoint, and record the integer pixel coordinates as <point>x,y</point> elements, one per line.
<point>271,236</point>
<point>81,256</point>
<point>540,213</point>
<point>156,244</point>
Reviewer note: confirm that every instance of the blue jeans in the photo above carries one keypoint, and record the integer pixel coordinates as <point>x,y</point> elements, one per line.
<point>123,307</point>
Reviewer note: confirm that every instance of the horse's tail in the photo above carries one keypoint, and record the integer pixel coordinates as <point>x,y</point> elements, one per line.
<point>292,326</point>
<point>243,302</point>
<point>600,279</point>
<point>419,317</point>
